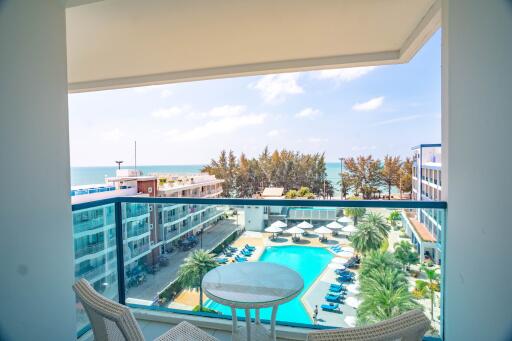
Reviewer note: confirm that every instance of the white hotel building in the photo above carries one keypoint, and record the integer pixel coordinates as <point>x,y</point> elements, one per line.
<point>424,226</point>
<point>149,230</point>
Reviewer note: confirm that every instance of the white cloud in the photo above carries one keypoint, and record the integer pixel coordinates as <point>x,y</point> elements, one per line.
<point>273,133</point>
<point>113,135</point>
<point>226,111</point>
<point>274,88</point>
<point>170,112</point>
<point>372,104</point>
<point>398,120</point>
<point>345,75</point>
<point>224,120</point>
<point>308,113</point>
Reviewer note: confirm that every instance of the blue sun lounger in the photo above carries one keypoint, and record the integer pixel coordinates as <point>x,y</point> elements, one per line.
<point>344,273</point>
<point>337,288</point>
<point>246,253</point>
<point>334,298</point>
<point>240,259</point>
<point>221,260</point>
<point>249,247</point>
<point>344,279</point>
<point>332,307</point>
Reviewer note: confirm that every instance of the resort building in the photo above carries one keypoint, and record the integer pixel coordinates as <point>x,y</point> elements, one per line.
<point>149,230</point>
<point>257,218</point>
<point>424,226</point>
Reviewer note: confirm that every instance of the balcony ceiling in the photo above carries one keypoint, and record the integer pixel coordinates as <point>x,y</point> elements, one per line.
<point>123,43</point>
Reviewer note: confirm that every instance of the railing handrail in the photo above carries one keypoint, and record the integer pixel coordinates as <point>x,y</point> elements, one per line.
<point>266,202</point>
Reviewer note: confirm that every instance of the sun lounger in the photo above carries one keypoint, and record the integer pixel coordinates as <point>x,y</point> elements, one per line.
<point>240,258</point>
<point>221,260</point>
<point>250,247</point>
<point>332,307</point>
<point>344,273</point>
<point>246,253</point>
<point>334,298</point>
<point>342,279</point>
<point>337,289</point>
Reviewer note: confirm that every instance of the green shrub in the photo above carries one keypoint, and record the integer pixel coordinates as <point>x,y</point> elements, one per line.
<point>205,310</point>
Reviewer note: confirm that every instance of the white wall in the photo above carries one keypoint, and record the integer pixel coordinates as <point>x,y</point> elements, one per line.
<point>36,245</point>
<point>477,135</point>
<point>254,218</point>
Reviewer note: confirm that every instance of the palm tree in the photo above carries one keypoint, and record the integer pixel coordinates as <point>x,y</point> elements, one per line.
<point>194,268</point>
<point>393,218</point>
<point>385,295</point>
<point>354,212</point>
<point>377,220</point>
<point>405,254</point>
<point>377,260</point>
<point>433,284</point>
<point>366,238</point>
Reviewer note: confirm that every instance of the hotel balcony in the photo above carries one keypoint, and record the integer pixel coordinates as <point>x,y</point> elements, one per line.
<point>55,47</point>
<point>150,286</point>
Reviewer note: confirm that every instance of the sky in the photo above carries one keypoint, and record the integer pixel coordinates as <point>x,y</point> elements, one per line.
<point>342,112</point>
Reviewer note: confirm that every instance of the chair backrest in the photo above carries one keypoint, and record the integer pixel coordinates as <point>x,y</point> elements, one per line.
<point>410,326</point>
<point>110,320</point>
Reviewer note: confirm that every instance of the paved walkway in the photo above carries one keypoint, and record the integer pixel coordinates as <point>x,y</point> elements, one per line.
<point>157,282</point>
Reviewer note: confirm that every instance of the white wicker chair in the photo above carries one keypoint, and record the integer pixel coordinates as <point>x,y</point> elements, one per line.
<point>410,326</point>
<point>112,321</point>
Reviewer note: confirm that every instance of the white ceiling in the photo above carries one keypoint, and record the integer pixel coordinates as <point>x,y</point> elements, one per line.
<point>121,43</point>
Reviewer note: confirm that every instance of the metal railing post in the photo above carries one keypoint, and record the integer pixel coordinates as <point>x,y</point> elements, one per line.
<point>120,252</point>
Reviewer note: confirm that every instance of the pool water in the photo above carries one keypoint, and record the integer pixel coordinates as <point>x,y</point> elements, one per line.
<point>309,262</point>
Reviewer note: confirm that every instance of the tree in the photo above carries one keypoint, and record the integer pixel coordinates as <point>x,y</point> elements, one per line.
<point>345,184</point>
<point>193,269</point>
<point>354,212</point>
<point>384,295</point>
<point>366,238</point>
<point>378,260</point>
<point>377,220</point>
<point>405,254</point>
<point>391,172</point>
<point>394,217</point>
<point>405,181</point>
<point>364,173</point>
<point>433,286</point>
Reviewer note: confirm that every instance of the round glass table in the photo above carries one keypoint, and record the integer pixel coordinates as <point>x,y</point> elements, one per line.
<point>252,285</point>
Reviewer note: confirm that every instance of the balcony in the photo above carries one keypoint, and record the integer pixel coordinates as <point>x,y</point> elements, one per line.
<point>89,249</point>
<point>150,287</point>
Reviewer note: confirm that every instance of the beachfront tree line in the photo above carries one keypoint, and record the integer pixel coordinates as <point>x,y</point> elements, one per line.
<point>362,176</point>
<point>244,177</point>
<point>365,176</point>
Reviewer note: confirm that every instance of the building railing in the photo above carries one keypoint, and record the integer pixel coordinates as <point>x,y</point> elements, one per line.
<point>133,277</point>
<point>90,249</point>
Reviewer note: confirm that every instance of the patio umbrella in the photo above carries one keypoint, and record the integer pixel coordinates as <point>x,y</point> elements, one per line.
<point>322,230</point>
<point>304,225</point>
<point>349,229</point>
<point>333,225</point>
<point>295,230</point>
<point>344,220</point>
<point>279,223</point>
<point>273,230</point>
<point>338,260</point>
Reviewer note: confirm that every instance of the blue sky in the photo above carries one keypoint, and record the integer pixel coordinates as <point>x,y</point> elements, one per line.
<point>345,112</point>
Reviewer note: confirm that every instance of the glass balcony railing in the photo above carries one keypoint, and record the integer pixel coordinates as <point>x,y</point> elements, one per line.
<point>90,249</point>
<point>375,245</point>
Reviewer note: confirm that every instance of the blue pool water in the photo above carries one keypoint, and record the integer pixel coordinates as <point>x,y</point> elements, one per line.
<point>309,262</point>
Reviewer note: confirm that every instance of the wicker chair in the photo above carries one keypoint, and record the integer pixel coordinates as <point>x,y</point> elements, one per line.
<point>410,326</point>
<point>112,321</point>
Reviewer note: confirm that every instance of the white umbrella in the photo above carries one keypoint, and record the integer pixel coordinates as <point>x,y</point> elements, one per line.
<point>304,225</point>
<point>353,302</point>
<point>322,230</point>
<point>334,225</point>
<point>344,220</point>
<point>295,230</point>
<point>349,229</point>
<point>279,223</point>
<point>273,229</point>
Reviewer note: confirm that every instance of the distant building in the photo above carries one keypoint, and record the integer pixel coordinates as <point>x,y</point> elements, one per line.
<point>258,217</point>
<point>424,226</point>
<point>149,230</point>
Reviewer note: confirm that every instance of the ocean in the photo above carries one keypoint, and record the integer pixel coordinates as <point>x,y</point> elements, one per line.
<point>96,175</point>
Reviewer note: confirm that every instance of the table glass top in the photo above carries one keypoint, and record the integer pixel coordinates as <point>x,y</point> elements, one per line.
<point>257,282</point>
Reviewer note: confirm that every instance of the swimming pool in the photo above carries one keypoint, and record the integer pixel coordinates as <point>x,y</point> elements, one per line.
<point>309,262</point>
